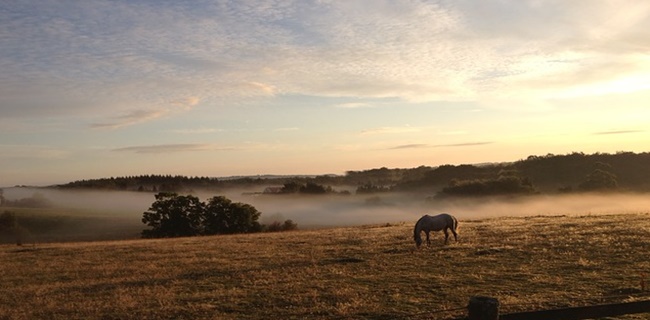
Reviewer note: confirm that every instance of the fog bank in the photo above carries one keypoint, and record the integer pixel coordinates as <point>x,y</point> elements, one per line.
<point>347,210</point>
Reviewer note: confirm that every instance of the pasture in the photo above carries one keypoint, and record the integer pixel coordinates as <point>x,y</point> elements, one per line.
<point>365,272</point>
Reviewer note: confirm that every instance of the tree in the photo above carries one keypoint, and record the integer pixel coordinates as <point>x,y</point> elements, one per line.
<point>8,221</point>
<point>599,180</point>
<point>291,187</point>
<point>223,216</point>
<point>313,188</point>
<point>289,225</point>
<point>504,185</point>
<point>172,215</point>
<point>244,219</point>
<point>370,188</point>
<point>10,229</point>
<point>276,226</point>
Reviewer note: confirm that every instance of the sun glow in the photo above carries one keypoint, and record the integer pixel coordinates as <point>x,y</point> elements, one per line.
<point>624,85</point>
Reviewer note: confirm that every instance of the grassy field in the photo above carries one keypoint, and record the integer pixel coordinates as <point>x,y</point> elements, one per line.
<point>366,272</point>
<point>67,225</point>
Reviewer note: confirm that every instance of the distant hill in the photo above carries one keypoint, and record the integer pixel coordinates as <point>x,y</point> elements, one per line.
<point>626,171</point>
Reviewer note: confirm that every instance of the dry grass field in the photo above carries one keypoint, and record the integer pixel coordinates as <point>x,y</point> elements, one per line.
<point>366,272</point>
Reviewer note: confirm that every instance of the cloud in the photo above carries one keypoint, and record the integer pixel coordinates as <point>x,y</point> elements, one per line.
<point>259,88</point>
<point>197,131</point>
<point>353,105</point>
<point>467,144</point>
<point>169,148</point>
<point>618,132</point>
<point>454,132</point>
<point>137,116</point>
<point>409,50</point>
<point>131,118</point>
<point>412,146</point>
<point>391,130</point>
<point>287,129</point>
<point>33,152</point>
<point>423,145</point>
<point>186,103</point>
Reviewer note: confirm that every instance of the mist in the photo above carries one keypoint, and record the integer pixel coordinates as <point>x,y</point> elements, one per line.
<point>326,211</point>
<point>113,203</point>
<point>121,211</point>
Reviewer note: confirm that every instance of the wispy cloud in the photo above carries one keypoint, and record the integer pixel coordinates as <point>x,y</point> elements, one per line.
<point>287,129</point>
<point>413,51</point>
<point>170,148</point>
<point>353,105</point>
<point>186,103</point>
<point>197,131</point>
<point>424,145</point>
<point>412,146</point>
<point>467,144</point>
<point>144,115</point>
<point>131,118</point>
<point>33,152</point>
<point>391,130</point>
<point>617,132</point>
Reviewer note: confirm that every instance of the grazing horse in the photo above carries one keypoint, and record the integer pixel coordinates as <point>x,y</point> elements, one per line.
<point>439,222</point>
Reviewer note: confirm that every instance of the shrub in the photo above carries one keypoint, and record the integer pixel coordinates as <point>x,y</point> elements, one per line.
<point>276,226</point>
<point>10,230</point>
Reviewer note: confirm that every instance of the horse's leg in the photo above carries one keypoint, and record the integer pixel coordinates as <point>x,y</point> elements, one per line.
<point>455,234</point>
<point>428,241</point>
<point>446,235</point>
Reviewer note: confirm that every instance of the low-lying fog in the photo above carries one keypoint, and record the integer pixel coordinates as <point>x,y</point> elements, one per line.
<point>345,210</point>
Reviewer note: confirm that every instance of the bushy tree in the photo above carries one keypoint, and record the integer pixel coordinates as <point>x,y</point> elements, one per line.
<point>8,220</point>
<point>223,216</point>
<point>291,187</point>
<point>10,229</point>
<point>599,180</point>
<point>313,188</point>
<point>172,215</point>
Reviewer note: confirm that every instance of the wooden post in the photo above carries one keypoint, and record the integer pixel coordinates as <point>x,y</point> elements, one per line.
<point>483,308</point>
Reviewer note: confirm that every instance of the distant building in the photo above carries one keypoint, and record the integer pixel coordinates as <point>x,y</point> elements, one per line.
<point>272,190</point>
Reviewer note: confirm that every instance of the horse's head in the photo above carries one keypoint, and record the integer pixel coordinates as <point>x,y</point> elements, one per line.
<point>418,241</point>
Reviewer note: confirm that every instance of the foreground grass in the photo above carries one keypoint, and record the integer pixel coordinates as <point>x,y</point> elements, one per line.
<point>54,224</point>
<point>371,272</point>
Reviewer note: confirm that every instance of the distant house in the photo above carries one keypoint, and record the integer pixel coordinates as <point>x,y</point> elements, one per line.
<point>273,190</point>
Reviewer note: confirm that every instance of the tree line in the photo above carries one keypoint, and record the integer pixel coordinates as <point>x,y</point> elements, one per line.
<point>574,172</point>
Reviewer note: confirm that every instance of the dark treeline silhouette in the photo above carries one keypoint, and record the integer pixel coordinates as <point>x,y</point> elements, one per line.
<point>174,215</point>
<point>177,183</point>
<point>37,200</point>
<point>574,172</point>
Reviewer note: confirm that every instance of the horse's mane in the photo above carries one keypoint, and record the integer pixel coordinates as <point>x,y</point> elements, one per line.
<point>417,225</point>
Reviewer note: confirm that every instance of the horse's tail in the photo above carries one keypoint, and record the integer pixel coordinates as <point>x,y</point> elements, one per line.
<point>455,224</point>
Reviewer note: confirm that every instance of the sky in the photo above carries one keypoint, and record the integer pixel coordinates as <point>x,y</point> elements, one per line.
<point>97,88</point>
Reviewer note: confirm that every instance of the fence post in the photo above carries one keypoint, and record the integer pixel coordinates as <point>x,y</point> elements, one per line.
<point>483,308</point>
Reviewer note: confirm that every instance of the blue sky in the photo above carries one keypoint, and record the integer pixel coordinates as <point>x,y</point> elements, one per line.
<point>94,88</point>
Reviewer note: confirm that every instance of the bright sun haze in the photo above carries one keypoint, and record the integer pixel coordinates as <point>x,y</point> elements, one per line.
<point>99,89</point>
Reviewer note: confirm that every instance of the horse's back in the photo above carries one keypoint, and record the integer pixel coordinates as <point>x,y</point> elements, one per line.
<point>437,222</point>
<point>445,217</point>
